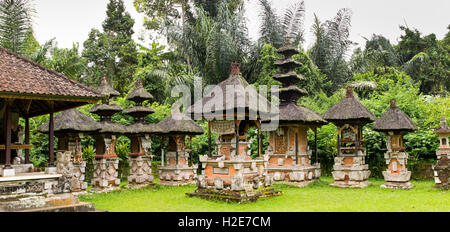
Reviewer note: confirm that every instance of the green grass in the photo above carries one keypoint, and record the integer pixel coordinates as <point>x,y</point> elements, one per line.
<point>315,197</point>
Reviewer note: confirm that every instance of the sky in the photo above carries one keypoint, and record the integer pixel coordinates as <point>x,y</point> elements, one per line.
<point>71,20</point>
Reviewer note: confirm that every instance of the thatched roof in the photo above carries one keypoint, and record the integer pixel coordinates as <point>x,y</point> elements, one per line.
<point>139,110</point>
<point>443,128</point>
<point>289,78</point>
<point>394,120</point>
<point>292,112</point>
<point>143,128</point>
<point>106,90</point>
<point>287,63</point>
<point>349,109</point>
<point>179,123</point>
<point>139,94</point>
<point>221,105</point>
<point>71,121</point>
<point>288,49</point>
<point>105,109</point>
<point>112,127</point>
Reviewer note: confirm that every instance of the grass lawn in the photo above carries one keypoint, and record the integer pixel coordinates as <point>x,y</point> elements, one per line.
<point>315,197</point>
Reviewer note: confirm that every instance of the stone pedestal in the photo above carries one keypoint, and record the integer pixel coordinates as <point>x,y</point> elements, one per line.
<point>442,173</point>
<point>73,173</point>
<point>106,174</point>
<point>7,172</point>
<point>283,163</point>
<point>177,174</point>
<point>397,175</point>
<point>140,170</point>
<point>350,170</point>
<point>233,177</point>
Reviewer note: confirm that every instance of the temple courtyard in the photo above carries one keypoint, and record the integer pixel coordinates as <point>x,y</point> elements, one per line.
<point>317,197</point>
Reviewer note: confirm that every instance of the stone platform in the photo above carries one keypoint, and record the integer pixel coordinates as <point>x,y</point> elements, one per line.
<point>39,192</point>
<point>234,196</point>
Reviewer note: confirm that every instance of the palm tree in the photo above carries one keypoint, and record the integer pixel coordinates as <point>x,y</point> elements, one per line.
<point>15,22</point>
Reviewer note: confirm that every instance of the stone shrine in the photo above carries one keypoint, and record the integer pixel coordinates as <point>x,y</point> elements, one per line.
<point>395,123</point>
<point>290,156</point>
<point>106,162</point>
<point>232,175</point>
<point>441,169</point>
<point>177,167</point>
<point>140,135</point>
<point>70,127</point>
<point>349,115</point>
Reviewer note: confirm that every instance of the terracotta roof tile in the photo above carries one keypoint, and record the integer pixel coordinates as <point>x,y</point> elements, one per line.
<point>23,76</point>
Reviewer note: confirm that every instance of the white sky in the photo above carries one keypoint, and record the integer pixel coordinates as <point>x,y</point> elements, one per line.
<point>71,20</point>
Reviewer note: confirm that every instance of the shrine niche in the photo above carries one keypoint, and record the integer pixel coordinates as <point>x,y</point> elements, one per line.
<point>350,169</point>
<point>70,127</point>
<point>441,169</point>
<point>177,167</point>
<point>140,133</point>
<point>106,162</point>
<point>232,175</point>
<point>289,154</point>
<point>395,124</point>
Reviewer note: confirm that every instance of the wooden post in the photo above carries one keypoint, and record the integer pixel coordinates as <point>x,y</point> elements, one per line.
<point>27,139</point>
<point>236,126</point>
<point>338,143</point>
<point>296,148</point>
<point>190,152</point>
<point>51,146</point>
<point>176,150</point>
<point>259,143</point>
<point>315,145</point>
<point>209,139</point>
<point>162,151</point>
<point>8,135</point>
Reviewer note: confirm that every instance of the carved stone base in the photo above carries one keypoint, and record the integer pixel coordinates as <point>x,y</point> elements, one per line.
<point>234,196</point>
<point>175,176</point>
<point>105,174</point>
<point>140,171</point>
<point>297,176</point>
<point>77,183</point>
<point>351,184</point>
<point>397,185</point>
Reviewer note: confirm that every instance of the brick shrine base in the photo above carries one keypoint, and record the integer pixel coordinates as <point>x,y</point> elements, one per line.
<point>234,196</point>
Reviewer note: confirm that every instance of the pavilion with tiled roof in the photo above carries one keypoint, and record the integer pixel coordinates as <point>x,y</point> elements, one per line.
<point>28,89</point>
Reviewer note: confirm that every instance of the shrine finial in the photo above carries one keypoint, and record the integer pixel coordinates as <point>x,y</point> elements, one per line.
<point>235,68</point>
<point>139,83</point>
<point>443,122</point>
<point>104,80</point>
<point>349,92</point>
<point>393,103</point>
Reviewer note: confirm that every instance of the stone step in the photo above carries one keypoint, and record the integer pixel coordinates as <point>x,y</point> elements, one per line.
<point>78,207</point>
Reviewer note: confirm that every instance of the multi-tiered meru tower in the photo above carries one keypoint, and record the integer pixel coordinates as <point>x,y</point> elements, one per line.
<point>290,156</point>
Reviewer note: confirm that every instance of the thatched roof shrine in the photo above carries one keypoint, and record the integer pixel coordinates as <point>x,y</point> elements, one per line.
<point>139,94</point>
<point>221,103</point>
<point>179,123</point>
<point>349,109</point>
<point>71,121</point>
<point>394,120</point>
